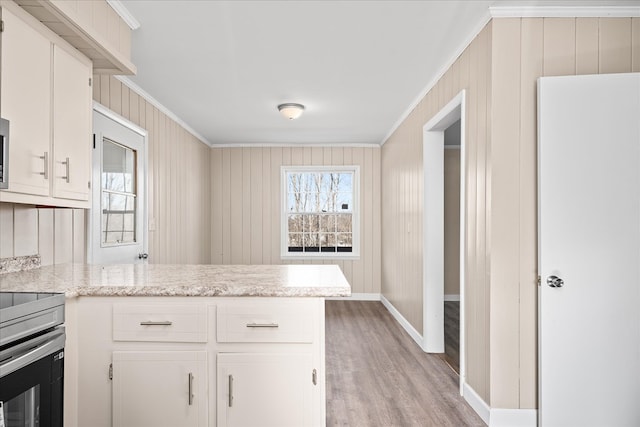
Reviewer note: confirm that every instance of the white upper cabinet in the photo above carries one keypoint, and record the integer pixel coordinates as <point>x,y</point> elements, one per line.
<point>71,126</point>
<point>26,103</point>
<point>46,96</point>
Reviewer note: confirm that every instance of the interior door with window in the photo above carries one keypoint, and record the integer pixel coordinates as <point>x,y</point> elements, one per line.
<point>118,217</point>
<point>589,243</point>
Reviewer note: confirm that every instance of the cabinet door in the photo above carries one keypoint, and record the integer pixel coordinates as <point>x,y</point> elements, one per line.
<point>71,126</point>
<point>267,390</point>
<point>26,103</point>
<point>157,389</point>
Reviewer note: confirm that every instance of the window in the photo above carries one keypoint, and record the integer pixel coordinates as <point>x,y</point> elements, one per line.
<point>320,212</point>
<point>118,194</point>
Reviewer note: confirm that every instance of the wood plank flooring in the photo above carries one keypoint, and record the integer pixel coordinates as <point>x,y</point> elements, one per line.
<point>452,334</point>
<point>378,376</point>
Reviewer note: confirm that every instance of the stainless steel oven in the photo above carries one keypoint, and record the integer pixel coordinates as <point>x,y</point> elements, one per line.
<point>4,153</point>
<point>31,359</point>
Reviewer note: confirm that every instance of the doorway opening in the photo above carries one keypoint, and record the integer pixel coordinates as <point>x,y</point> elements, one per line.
<point>452,136</point>
<point>438,263</point>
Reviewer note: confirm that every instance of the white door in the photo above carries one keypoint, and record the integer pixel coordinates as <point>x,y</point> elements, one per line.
<point>118,226</point>
<point>589,243</point>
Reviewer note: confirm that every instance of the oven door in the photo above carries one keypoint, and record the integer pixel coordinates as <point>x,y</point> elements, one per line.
<point>31,382</point>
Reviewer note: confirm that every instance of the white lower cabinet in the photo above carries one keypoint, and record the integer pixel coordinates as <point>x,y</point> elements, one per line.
<point>197,361</point>
<point>159,388</point>
<point>264,389</point>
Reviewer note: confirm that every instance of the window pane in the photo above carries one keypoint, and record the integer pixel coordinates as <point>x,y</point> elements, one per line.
<point>344,242</point>
<point>312,223</point>
<point>118,218</point>
<point>295,242</point>
<point>295,223</point>
<point>343,222</point>
<point>327,222</point>
<point>118,167</point>
<point>328,239</point>
<point>311,242</point>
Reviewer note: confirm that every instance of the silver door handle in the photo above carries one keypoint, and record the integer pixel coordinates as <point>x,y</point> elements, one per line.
<point>262,325</point>
<point>555,282</point>
<point>156,323</point>
<point>45,170</point>
<point>230,391</point>
<point>190,389</point>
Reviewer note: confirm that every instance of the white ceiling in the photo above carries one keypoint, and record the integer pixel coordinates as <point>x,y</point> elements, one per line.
<point>223,67</point>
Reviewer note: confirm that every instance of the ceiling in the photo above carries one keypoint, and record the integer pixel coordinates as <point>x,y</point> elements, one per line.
<point>222,67</point>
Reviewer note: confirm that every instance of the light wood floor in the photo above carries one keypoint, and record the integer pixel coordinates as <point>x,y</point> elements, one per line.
<point>452,334</point>
<point>378,376</point>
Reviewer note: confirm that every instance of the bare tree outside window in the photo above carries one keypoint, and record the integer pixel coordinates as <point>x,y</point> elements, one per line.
<point>320,211</point>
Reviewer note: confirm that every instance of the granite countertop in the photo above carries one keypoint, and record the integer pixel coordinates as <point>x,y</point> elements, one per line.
<point>181,280</point>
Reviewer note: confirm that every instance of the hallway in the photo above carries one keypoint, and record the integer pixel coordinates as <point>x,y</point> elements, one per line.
<point>378,376</point>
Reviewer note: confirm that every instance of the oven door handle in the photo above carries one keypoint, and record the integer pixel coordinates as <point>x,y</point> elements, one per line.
<point>24,354</point>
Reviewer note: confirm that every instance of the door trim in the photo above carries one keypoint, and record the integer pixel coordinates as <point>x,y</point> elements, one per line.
<point>433,232</point>
<point>112,115</point>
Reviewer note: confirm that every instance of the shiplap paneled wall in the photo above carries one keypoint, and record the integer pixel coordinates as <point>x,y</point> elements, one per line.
<point>523,50</point>
<point>179,178</point>
<point>246,206</point>
<point>56,234</point>
<point>499,71</point>
<point>402,189</point>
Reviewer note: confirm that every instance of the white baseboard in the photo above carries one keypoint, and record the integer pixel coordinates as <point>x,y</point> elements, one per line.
<point>513,417</point>
<point>476,402</point>
<point>413,333</point>
<point>358,297</point>
<point>496,417</point>
<point>451,297</point>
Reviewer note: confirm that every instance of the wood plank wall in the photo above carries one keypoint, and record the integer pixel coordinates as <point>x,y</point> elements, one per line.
<point>179,178</point>
<point>179,196</point>
<point>523,50</point>
<point>499,71</point>
<point>56,234</point>
<point>402,215</point>
<point>245,206</point>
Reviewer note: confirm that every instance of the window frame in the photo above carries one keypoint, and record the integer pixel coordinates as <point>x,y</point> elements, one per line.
<point>355,212</point>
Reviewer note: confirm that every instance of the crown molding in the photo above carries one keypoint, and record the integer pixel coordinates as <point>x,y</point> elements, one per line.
<point>301,145</point>
<point>472,35</point>
<point>564,11</point>
<point>124,13</point>
<point>137,89</point>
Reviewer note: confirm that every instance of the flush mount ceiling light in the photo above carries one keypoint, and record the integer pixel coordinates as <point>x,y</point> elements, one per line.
<point>290,110</point>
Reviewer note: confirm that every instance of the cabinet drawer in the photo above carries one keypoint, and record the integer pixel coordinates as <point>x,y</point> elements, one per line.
<point>265,322</point>
<point>161,323</point>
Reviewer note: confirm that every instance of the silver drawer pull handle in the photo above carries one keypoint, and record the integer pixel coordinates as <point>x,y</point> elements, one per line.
<point>262,325</point>
<point>230,391</point>
<point>152,323</point>
<point>190,389</point>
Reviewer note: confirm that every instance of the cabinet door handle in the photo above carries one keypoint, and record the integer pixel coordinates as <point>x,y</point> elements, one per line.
<point>314,377</point>
<point>45,170</point>
<point>262,325</point>
<point>66,164</point>
<point>156,323</point>
<point>190,389</point>
<point>230,391</point>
